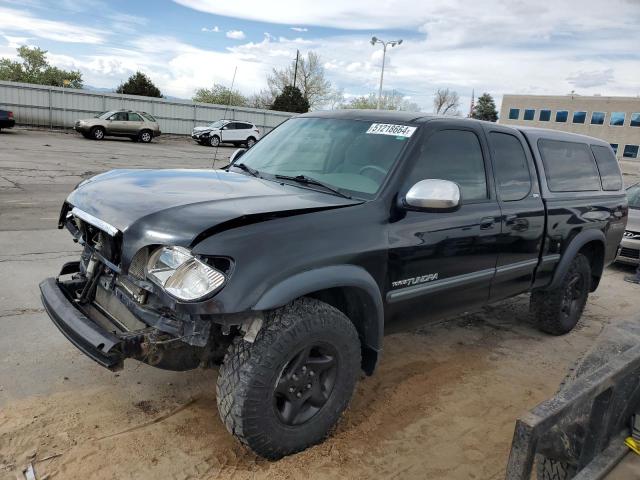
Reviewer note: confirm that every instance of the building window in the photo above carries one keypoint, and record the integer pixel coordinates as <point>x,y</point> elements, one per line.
<point>617,119</point>
<point>514,113</point>
<point>529,114</point>
<point>615,147</point>
<point>597,118</point>
<point>630,151</point>
<point>545,115</point>
<point>635,120</point>
<point>561,116</point>
<point>579,117</point>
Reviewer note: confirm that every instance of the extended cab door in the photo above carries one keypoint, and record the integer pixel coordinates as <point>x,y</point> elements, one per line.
<point>523,212</point>
<point>442,263</point>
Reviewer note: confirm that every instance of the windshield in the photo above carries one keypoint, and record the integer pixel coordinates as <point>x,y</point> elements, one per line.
<point>353,156</point>
<point>633,195</point>
<point>105,115</point>
<point>217,124</point>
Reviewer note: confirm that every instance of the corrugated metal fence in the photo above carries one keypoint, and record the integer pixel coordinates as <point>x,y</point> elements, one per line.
<point>44,106</point>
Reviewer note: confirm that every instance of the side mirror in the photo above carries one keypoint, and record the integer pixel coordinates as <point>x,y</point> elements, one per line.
<point>236,155</point>
<point>433,195</point>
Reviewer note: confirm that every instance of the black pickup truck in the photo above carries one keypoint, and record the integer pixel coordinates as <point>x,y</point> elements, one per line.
<point>288,266</point>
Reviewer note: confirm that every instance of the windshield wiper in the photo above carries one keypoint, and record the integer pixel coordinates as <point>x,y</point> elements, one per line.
<point>312,181</point>
<point>246,168</point>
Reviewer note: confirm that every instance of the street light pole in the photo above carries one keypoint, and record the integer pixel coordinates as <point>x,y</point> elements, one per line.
<point>392,43</point>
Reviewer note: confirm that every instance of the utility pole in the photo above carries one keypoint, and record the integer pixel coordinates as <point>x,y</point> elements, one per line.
<point>295,72</point>
<point>392,43</point>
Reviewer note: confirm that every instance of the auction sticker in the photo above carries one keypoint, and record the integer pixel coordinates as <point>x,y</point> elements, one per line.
<point>391,129</point>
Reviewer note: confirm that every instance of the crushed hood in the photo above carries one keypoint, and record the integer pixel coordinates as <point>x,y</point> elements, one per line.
<point>178,207</point>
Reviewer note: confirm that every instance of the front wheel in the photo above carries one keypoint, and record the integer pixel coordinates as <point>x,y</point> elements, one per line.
<point>286,390</point>
<point>558,311</point>
<point>214,141</point>
<point>97,133</point>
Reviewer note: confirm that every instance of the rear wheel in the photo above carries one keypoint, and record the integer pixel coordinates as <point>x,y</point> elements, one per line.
<point>286,390</point>
<point>558,311</point>
<point>145,136</point>
<point>97,133</point>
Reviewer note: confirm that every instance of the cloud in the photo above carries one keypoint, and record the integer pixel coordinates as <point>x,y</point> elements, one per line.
<point>23,22</point>
<point>591,79</point>
<point>215,29</point>
<point>15,42</point>
<point>236,34</point>
<point>299,29</point>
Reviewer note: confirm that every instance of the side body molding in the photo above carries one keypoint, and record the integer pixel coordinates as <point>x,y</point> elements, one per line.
<point>352,276</point>
<point>579,241</point>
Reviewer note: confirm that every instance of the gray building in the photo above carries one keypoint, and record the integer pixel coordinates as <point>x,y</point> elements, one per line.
<point>613,119</point>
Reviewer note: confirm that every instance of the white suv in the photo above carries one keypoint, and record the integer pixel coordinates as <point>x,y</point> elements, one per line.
<point>227,131</point>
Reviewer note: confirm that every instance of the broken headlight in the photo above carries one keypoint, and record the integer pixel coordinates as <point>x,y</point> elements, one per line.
<point>182,275</point>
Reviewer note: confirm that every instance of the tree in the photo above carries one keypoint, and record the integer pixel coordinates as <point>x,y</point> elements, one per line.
<point>446,102</point>
<point>310,79</point>
<point>388,101</point>
<point>139,84</point>
<point>291,100</point>
<point>35,68</point>
<point>220,95</point>
<point>485,109</point>
<point>263,99</point>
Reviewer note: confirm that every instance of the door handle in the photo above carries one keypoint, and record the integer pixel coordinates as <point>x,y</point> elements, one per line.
<point>487,222</point>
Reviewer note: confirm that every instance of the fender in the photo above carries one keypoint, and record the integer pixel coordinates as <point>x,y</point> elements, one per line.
<point>579,241</point>
<point>333,277</point>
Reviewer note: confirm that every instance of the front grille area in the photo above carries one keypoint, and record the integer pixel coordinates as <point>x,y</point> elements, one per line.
<point>630,253</point>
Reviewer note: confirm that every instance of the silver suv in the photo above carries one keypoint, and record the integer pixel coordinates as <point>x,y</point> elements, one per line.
<point>138,126</point>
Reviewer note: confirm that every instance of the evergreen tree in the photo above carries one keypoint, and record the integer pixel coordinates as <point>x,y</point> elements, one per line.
<point>485,109</point>
<point>291,100</point>
<point>139,84</point>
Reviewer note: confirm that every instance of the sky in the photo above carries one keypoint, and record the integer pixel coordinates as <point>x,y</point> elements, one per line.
<point>495,46</point>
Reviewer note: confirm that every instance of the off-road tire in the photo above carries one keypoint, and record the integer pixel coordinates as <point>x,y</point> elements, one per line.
<point>246,386</point>
<point>97,133</point>
<point>145,136</point>
<point>214,141</point>
<point>550,306</point>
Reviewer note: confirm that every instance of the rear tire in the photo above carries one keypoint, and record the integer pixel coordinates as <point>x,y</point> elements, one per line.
<point>558,311</point>
<point>285,391</point>
<point>145,136</point>
<point>97,133</point>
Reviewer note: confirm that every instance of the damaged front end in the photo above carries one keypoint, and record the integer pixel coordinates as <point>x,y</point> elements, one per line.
<point>111,315</point>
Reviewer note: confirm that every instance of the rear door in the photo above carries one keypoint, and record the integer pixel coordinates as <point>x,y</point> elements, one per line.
<point>522,212</point>
<point>134,123</point>
<point>440,263</point>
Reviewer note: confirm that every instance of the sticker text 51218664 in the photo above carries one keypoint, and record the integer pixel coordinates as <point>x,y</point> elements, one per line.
<point>391,129</point>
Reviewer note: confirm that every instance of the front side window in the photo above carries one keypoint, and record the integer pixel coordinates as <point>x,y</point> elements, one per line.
<point>514,113</point>
<point>529,114</point>
<point>119,117</point>
<point>354,156</point>
<point>545,115</point>
<point>630,151</point>
<point>510,165</point>
<point>597,118</point>
<point>569,166</point>
<point>635,120</point>
<point>633,195</point>
<point>608,168</point>
<point>617,119</point>
<point>579,117</point>
<point>561,116</point>
<point>454,155</point>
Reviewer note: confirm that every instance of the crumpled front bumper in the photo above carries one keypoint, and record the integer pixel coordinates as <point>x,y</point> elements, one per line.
<point>93,340</point>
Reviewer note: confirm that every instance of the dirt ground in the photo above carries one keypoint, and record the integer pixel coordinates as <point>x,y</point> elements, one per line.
<point>441,406</point>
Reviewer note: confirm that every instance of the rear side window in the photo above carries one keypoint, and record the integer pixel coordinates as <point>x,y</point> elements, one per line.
<point>511,168</point>
<point>148,117</point>
<point>134,117</point>
<point>569,166</point>
<point>608,166</point>
<point>454,155</point>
